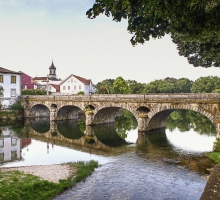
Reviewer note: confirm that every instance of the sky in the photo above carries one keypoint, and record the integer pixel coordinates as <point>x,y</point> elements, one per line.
<point>35,32</point>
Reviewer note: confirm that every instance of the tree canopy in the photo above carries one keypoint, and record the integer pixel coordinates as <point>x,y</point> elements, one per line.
<point>208,84</point>
<point>193,24</point>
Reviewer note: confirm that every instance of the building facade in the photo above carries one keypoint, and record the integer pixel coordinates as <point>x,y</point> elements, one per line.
<point>74,84</point>
<point>26,81</point>
<point>11,83</point>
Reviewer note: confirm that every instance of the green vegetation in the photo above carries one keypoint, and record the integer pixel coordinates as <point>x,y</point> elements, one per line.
<point>33,92</point>
<point>81,125</point>
<point>209,84</point>
<point>18,186</point>
<point>125,122</point>
<point>192,24</point>
<point>17,106</point>
<point>80,93</point>
<point>121,86</point>
<point>185,120</point>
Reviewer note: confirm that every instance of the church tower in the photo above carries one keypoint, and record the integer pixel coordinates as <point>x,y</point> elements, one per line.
<point>52,72</point>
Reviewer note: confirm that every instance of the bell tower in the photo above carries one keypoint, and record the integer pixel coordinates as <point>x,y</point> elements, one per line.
<point>52,72</point>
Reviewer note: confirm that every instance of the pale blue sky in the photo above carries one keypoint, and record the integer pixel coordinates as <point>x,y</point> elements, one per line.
<point>33,32</point>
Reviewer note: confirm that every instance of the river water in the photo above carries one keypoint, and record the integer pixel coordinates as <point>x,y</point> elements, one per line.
<point>159,165</point>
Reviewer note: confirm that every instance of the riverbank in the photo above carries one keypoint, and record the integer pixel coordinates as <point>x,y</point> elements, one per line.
<point>51,173</point>
<point>42,182</point>
<point>212,188</point>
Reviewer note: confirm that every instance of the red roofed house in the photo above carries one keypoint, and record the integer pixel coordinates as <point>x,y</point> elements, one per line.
<point>74,84</point>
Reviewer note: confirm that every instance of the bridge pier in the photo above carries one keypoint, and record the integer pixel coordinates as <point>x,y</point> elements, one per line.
<point>218,131</point>
<point>89,118</point>
<point>143,124</point>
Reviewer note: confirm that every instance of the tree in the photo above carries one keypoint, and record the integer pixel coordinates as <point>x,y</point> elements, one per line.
<point>183,85</point>
<point>135,87</point>
<point>121,86</point>
<point>206,85</point>
<point>193,24</point>
<point>159,86</point>
<point>105,87</point>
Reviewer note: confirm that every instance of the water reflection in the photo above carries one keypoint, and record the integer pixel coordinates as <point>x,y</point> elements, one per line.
<point>156,146</point>
<point>10,145</point>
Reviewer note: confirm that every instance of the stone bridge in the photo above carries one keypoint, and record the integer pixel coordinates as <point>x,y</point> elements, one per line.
<point>150,110</point>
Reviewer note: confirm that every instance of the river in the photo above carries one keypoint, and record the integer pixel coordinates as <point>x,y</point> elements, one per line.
<point>164,164</point>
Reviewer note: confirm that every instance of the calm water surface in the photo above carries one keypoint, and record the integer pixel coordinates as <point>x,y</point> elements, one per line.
<point>159,165</point>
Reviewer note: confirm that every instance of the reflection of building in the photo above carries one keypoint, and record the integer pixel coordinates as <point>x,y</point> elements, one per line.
<point>25,142</point>
<point>10,146</point>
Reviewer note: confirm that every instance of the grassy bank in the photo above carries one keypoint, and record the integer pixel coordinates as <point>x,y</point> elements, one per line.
<point>215,155</point>
<point>19,186</point>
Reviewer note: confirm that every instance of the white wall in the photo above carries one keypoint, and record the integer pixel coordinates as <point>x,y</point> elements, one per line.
<point>72,86</point>
<point>8,99</point>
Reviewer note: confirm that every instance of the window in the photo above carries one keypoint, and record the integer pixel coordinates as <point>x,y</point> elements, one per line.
<point>25,86</point>
<point>64,87</point>
<point>71,80</point>
<point>74,87</point>
<point>13,92</point>
<point>1,157</point>
<point>1,78</point>
<point>13,141</point>
<point>68,87</point>
<point>1,143</point>
<point>13,155</point>
<point>13,79</point>
<point>80,87</point>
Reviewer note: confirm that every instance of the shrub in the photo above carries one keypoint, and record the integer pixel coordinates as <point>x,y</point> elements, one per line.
<point>80,92</point>
<point>33,92</point>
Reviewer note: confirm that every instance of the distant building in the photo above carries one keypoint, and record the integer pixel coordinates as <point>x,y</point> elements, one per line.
<point>26,81</point>
<point>71,85</point>
<point>11,83</point>
<point>51,76</point>
<point>74,84</point>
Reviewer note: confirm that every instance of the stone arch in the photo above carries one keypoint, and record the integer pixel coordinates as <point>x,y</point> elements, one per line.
<point>106,113</point>
<point>69,112</point>
<point>39,110</point>
<point>158,115</point>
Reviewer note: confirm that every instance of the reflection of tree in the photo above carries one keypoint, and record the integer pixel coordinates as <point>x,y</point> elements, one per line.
<point>184,120</point>
<point>82,126</point>
<point>107,135</point>
<point>125,122</point>
<point>69,129</point>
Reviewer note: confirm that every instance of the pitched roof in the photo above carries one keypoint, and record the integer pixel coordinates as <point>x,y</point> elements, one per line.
<point>39,78</point>
<point>57,87</point>
<point>3,70</point>
<point>52,66</point>
<point>83,80</point>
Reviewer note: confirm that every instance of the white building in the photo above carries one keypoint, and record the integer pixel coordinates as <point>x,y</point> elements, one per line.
<point>74,84</point>
<point>11,83</point>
